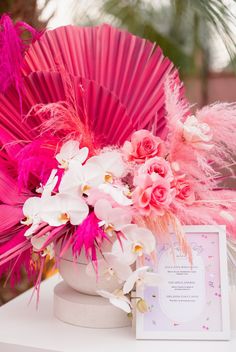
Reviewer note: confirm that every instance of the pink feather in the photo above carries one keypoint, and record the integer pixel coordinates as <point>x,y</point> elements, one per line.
<point>221,117</point>
<point>192,162</point>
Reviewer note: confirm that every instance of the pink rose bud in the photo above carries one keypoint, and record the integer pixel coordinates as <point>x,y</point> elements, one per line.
<point>143,145</point>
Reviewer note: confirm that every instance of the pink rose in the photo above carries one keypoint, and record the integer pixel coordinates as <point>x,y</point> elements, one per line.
<point>144,145</point>
<point>151,196</point>
<point>184,190</point>
<point>156,167</point>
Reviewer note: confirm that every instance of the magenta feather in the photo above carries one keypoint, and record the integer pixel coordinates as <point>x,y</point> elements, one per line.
<point>89,236</point>
<point>12,48</point>
<point>35,162</point>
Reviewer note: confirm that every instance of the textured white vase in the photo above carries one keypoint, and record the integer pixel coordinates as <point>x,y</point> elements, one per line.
<point>76,301</point>
<point>74,274</point>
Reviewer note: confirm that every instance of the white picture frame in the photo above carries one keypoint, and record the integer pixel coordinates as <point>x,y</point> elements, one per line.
<point>144,329</point>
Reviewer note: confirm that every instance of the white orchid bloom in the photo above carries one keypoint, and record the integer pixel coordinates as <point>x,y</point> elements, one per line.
<point>109,267</point>
<point>48,188</point>
<point>141,276</point>
<point>118,299</point>
<point>79,179</point>
<point>31,211</point>
<point>138,242</point>
<point>70,151</point>
<point>38,243</point>
<point>119,194</point>
<point>113,219</point>
<point>33,205</point>
<point>33,228</point>
<point>61,208</point>
<point>112,164</point>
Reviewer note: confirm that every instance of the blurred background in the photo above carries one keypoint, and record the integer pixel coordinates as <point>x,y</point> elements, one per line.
<point>199,36</point>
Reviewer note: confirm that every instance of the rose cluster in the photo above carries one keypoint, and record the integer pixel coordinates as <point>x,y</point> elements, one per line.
<point>157,182</point>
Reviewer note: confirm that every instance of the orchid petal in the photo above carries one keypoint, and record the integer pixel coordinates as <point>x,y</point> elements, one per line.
<point>61,208</point>
<point>140,235</point>
<point>50,185</point>
<point>71,181</point>
<point>101,208</point>
<point>116,193</point>
<point>120,304</point>
<point>121,268</point>
<point>111,162</point>
<point>71,151</point>
<point>93,174</point>
<point>117,217</point>
<point>125,252</point>
<point>32,229</point>
<point>119,301</point>
<point>130,282</point>
<point>31,207</point>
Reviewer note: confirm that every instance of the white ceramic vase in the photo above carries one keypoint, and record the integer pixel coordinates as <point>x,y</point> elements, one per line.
<point>74,274</point>
<point>76,300</point>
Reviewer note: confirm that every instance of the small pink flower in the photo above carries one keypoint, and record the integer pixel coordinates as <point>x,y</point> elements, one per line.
<point>144,145</point>
<point>184,190</point>
<point>151,196</point>
<point>156,167</point>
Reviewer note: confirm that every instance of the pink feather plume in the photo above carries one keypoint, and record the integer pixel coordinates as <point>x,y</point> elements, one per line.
<point>89,236</point>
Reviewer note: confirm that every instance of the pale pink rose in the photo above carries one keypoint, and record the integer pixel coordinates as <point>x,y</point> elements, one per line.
<point>153,197</point>
<point>197,134</point>
<point>184,190</point>
<point>156,167</point>
<point>143,145</point>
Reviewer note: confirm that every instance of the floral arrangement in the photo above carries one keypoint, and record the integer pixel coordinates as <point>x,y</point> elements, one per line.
<point>113,198</point>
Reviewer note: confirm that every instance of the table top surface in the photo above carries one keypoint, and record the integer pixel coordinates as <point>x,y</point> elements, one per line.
<point>22,326</point>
